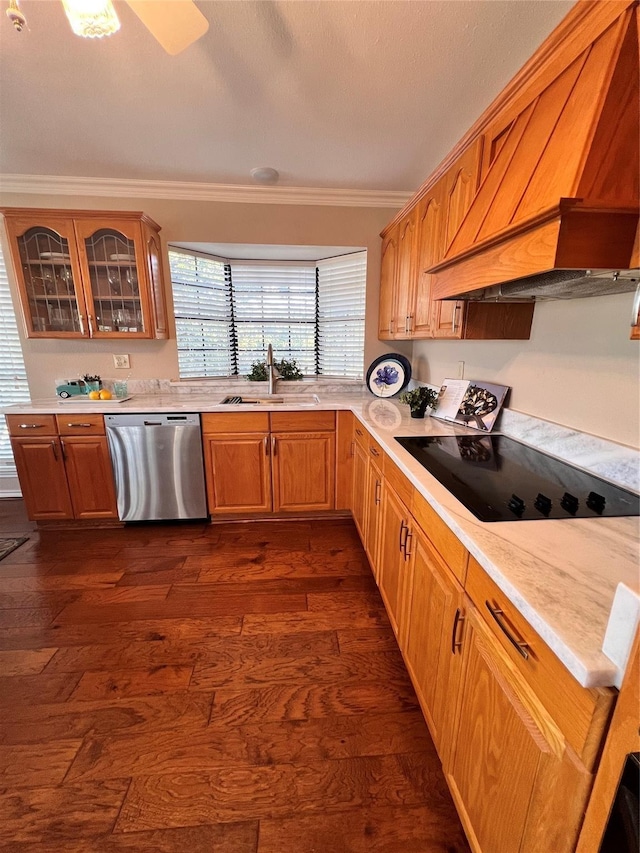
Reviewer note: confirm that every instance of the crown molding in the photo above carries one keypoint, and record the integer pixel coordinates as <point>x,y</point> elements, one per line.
<point>194,191</point>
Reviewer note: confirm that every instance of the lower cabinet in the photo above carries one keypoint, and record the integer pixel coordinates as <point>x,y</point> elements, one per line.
<point>515,783</point>
<point>395,554</point>
<point>251,466</point>
<point>238,472</point>
<point>359,490</point>
<point>43,479</point>
<point>517,735</point>
<point>433,640</point>
<point>373,500</point>
<point>64,474</point>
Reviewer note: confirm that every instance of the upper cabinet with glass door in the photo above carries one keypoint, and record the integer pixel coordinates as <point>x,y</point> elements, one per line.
<point>87,274</point>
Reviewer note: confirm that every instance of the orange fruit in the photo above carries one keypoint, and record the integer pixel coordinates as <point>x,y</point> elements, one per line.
<point>105,394</point>
<point>94,395</point>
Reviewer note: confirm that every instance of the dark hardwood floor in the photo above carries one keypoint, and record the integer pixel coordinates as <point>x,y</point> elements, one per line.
<point>231,688</point>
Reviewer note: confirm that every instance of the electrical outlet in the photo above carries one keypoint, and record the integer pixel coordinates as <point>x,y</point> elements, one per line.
<point>460,370</point>
<point>121,362</point>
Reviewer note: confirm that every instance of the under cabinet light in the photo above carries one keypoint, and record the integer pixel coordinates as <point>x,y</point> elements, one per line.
<point>91,18</point>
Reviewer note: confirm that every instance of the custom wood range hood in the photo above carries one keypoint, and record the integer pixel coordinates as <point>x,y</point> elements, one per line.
<point>556,211</point>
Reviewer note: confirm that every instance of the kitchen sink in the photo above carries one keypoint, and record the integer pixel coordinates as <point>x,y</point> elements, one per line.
<point>273,399</point>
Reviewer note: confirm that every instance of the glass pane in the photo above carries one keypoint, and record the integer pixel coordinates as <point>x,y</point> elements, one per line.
<point>48,279</point>
<point>114,282</point>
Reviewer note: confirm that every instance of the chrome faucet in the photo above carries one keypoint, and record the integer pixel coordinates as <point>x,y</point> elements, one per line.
<point>273,374</point>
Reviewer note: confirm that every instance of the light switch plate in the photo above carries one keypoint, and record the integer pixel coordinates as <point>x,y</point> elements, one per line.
<point>121,361</point>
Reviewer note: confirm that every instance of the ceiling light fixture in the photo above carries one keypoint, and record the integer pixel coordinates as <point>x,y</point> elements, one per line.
<point>15,15</point>
<point>265,175</point>
<point>91,18</point>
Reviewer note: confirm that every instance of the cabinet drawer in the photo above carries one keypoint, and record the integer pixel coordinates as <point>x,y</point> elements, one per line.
<point>80,424</point>
<point>303,421</point>
<point>398,481</point>
<point>362,436</point>
<point>235,422</point>
<point>442,538</point>
<point>581,713</point>
<point>32,425</point>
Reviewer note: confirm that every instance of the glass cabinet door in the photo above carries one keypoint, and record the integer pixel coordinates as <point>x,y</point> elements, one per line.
<point>50,279</point>
<point>119,307</point>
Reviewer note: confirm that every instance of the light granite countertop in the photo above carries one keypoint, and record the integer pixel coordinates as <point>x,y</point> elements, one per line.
<point>561,575</point>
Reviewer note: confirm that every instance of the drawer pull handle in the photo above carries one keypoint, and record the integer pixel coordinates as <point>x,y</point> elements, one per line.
<point>359,432</point>
<point>455,642</point>
<point>85,426</point>
<point>374,452</point>
<point>520,646</point>
<point>31,426</point>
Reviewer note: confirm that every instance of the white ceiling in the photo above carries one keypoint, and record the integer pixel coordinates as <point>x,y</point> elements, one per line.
<point>354,95</point>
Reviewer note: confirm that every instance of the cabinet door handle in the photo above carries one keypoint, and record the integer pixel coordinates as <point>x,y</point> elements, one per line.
<point>407,539</point>
<point>81,321</point>
<point>635,308</point>
<point>90,323</point>
<point>406,324</point>
<point>519,645</point>
<point>31,426</point>
<point>404,528</point>
<point>376,499</point>
<point>274,445</point>
<point>390,327</point>
<point>455,317</point>
<point>55,450</point>
<point>352,451</point>
<point>64,455</point>
<point>455,642</point>
<point>84,426</point>
<point>265,442</point>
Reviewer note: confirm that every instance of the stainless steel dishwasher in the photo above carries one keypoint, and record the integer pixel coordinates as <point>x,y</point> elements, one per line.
<point>158,466</point>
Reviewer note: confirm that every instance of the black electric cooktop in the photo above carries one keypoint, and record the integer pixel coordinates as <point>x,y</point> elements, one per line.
<point>500,479</point>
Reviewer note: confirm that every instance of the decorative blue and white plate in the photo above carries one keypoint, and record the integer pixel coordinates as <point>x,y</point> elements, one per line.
<point>388,375</point>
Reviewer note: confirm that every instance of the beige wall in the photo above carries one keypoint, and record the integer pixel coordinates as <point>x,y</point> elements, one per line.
<point>579,369</point>
<point>219,222</point>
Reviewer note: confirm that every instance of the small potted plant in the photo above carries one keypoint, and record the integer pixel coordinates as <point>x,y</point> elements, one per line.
<point>419,399</point>
<point>287,368</point>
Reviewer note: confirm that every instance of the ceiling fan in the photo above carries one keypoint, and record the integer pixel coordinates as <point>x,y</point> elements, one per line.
<point>174,23</point>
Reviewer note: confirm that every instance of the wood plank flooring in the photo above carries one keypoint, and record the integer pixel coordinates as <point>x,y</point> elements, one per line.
<point>231,688</point>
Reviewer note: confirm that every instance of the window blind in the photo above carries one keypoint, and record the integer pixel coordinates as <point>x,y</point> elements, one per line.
<point>203,312</point>
<point>341,309</point>
<point>274,302</point>
<point>13,377</point>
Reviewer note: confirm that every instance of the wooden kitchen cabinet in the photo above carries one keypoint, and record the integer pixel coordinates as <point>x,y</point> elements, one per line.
<point>43,480</point>
<point>394,555</point>
<point>256,462</point>
<point>515,783</point>
<point>238,470</point>
<point>433,639</point>
<point>303,466</point>
<point>90,476</point>
<point>418,241</point>
<point>459,188</point>
<point>65,470</point>
<point>373,498</point>
<point>86,274</point>
<point>358,500</point>
<point>388,284</point>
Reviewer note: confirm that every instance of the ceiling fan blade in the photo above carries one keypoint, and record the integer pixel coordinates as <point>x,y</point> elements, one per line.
<point>175,23</point>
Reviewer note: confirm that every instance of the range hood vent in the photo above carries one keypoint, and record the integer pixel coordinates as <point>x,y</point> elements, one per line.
<point>559,284</point>
<point>559,186</point>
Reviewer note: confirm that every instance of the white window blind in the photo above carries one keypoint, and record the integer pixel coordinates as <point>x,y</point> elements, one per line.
<point>341,307</point>
<point>275,302</point>
<point>13,377</point>
<point>202,306</point>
